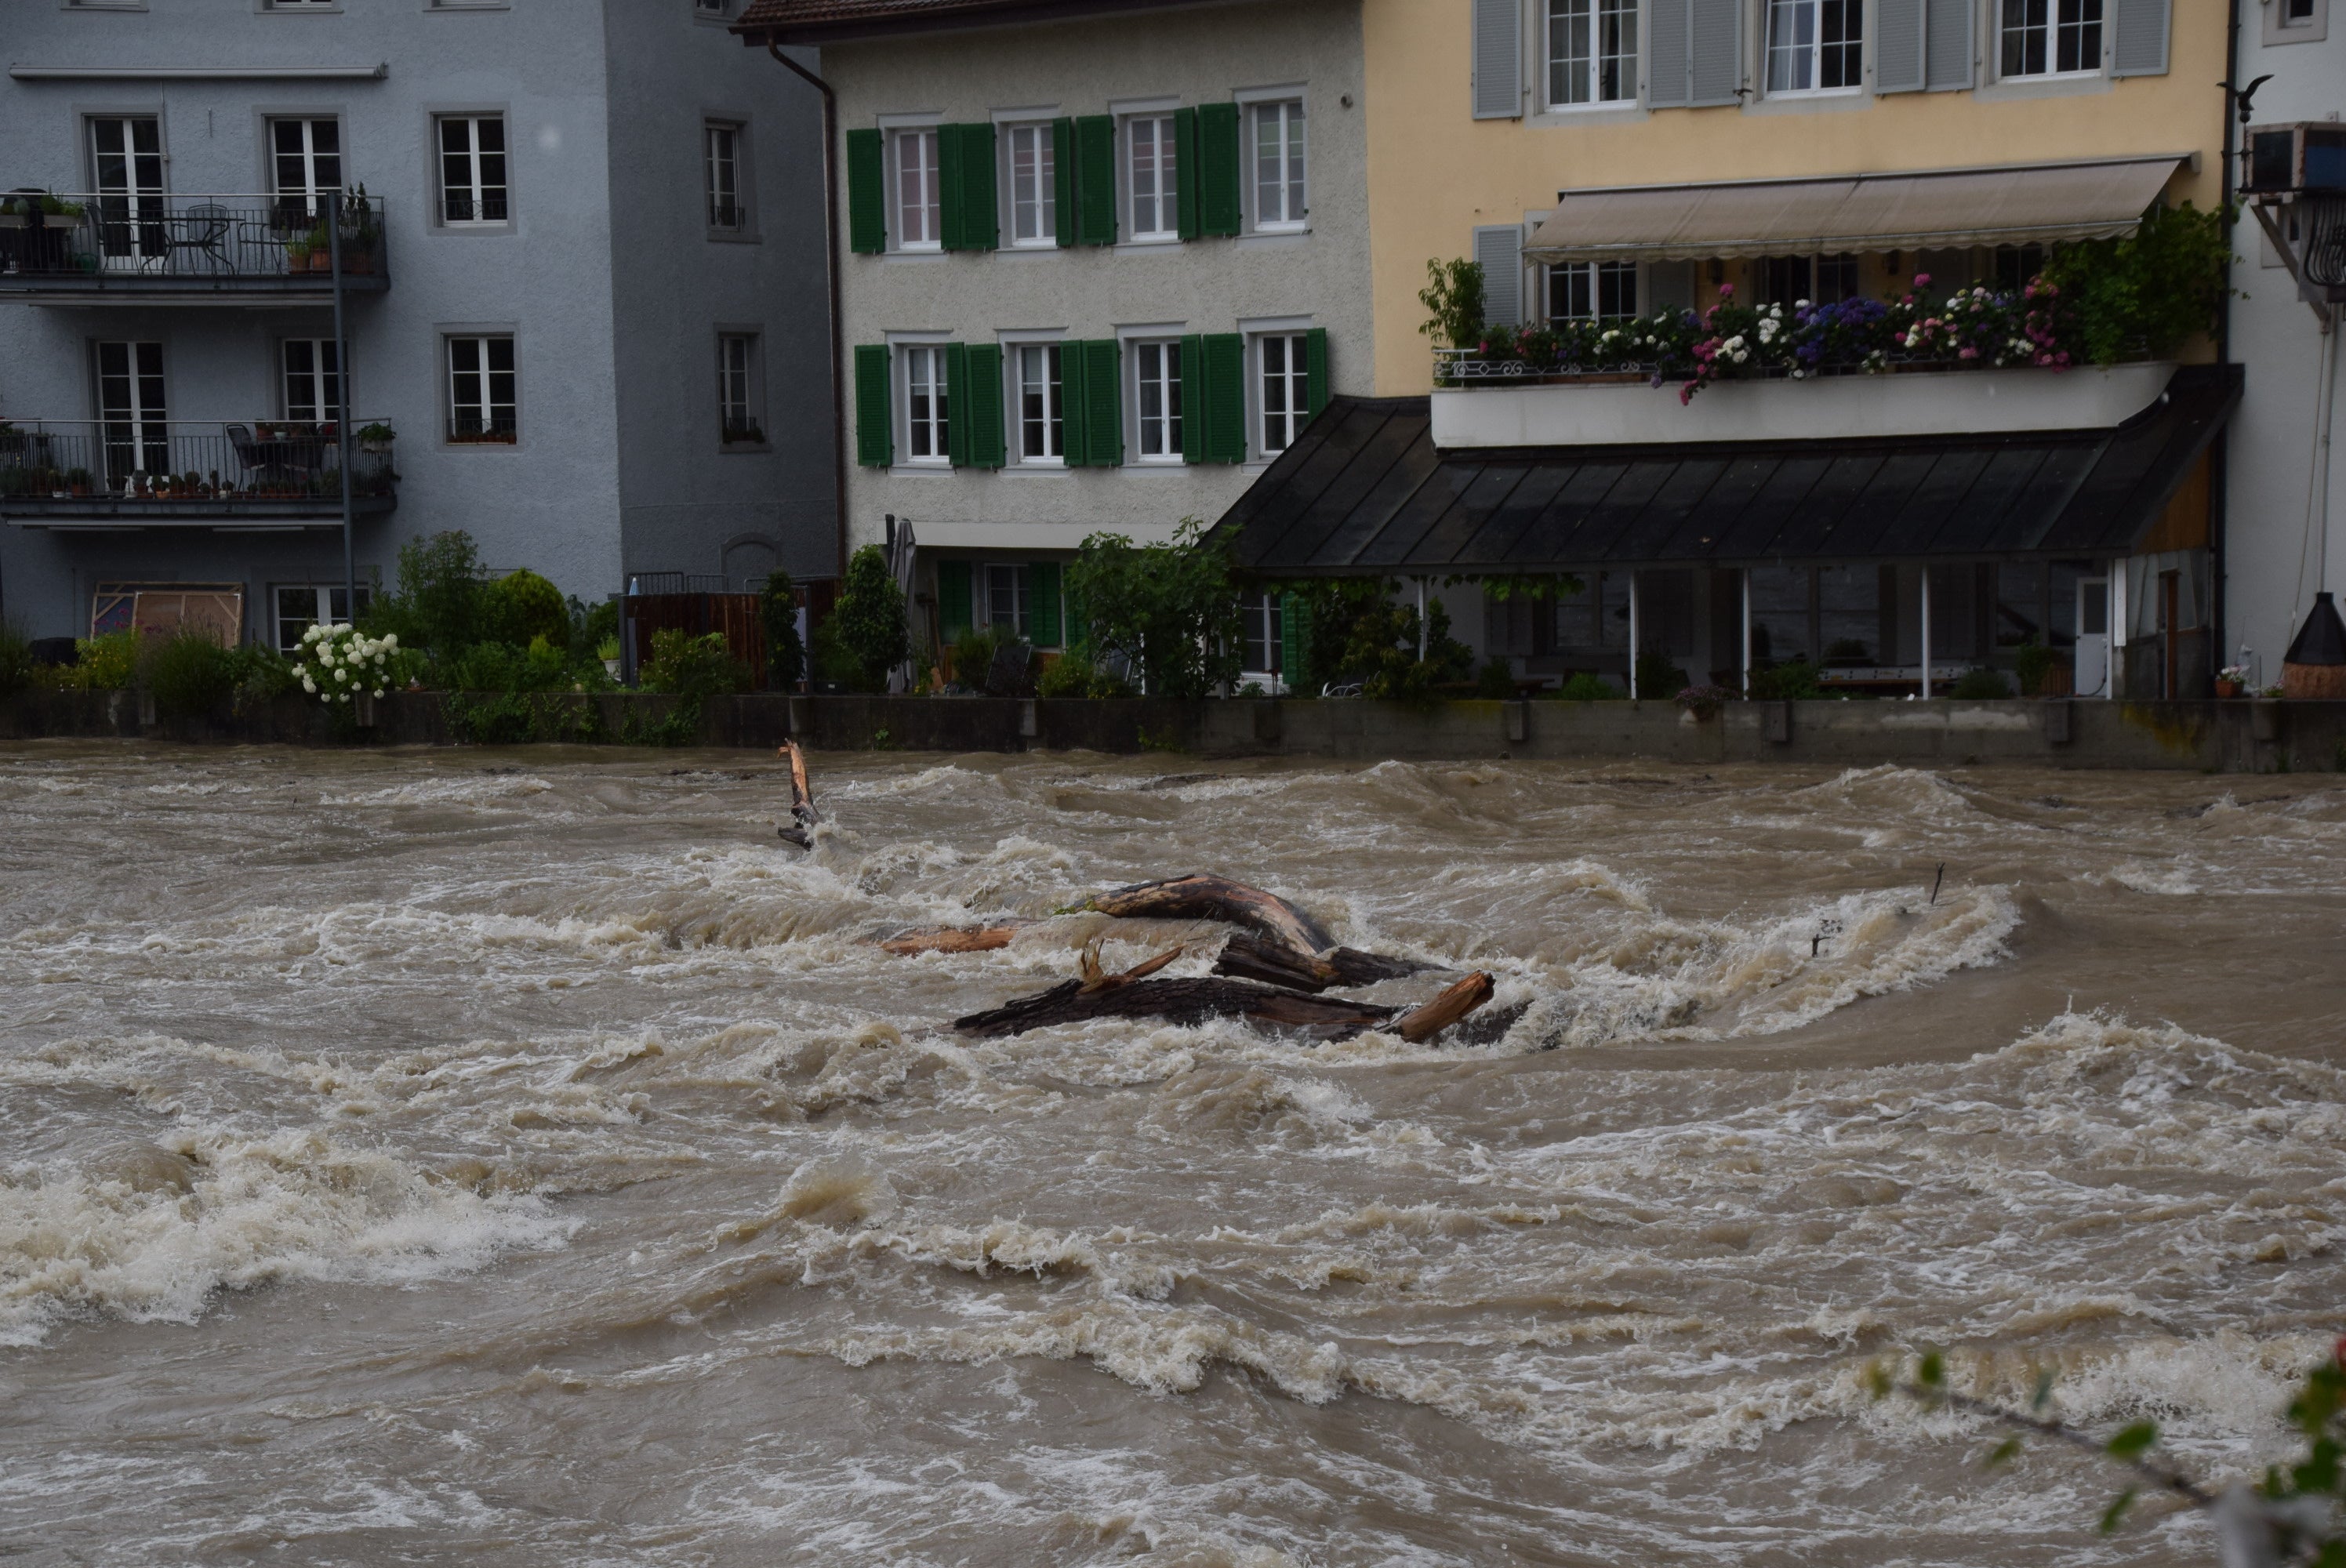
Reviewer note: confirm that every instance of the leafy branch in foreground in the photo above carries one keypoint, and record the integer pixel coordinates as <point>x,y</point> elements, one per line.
<point>2294,1517</point>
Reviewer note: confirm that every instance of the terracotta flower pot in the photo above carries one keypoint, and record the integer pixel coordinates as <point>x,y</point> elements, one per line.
<point>2228,688</point>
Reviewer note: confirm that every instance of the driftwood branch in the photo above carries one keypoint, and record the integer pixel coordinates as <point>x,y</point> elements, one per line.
<point>1249,957</point>
<point>803,816</point>
<point>1218,899</point>
<point>1423,1023</point>
<point>954,939</point>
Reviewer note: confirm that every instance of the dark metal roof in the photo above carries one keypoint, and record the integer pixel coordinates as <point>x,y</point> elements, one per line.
<point>1363,490</point>
<point>839,21</point>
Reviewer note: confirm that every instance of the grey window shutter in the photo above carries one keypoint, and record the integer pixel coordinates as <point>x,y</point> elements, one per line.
<point>1898,46</point>
<point>1667,42</point>
<point>1715,53</point>
<point>1498,59</point>
<point>2141,46</point>
<point>1500,250</point>
<point>1952,40</point>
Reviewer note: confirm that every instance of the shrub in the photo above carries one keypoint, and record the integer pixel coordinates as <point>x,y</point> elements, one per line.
<point>1074,675</point>
<point>497,666</point>
<point>1454,302</point>
<point>1786,683</point>
<point>1659,679</point>
<point>1980,686</point>
<point>693,667</point>
<point>1496,679</point>
<point>972,655</point>
<point>1354,631</point>
<point>1587,688</point>
<point>16,659</point>
<point>440,594</point>
<point>829,660</point>
<point>2146,292</point>
<point>522,606</point>
<point>1705,701</point>
<point>778,617</point>
<point>871,617</point>
<point>189,673</point>
<point>262,672</point>
<point>1168,611</point>
<point>2032,662</point>
<point>107,663</point>
<point>338,661</point>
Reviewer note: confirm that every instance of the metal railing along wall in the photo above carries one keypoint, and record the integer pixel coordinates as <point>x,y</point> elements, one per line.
<point>186,460</point>
<point>172,235</point>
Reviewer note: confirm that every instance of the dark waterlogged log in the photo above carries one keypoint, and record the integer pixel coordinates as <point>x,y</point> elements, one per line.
<point>1218,897</point>
<point>1185,1002</point>
<point>1249,957</point>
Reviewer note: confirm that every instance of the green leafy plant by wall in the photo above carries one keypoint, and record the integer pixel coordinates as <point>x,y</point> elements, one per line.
<point>107,663</point>
<point>189,674</point>
<point>869,619</point>
<point>694,667</point>
<point>437,606</point>
<point>1980,686</point>
<point>1660,680</point>
<point>829,660</point>
<point>1586,687</point>
<point>2032,662</point>
<point>778,617</point>
<point>1786,683</point>
<point>16,659</point>
<point>1454,298</point>
<point>1381,652</point>
<point>1169,611</point>
<point>1073,675</point>
<point>2144,293</point>
<point>521,607</point>
<point>1496,678</point>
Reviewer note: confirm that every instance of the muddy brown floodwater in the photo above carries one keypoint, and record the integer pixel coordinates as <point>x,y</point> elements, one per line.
<point>523,1158</point>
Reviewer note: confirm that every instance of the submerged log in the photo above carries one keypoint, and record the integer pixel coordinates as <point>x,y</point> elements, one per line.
<point>802,812</point>
<point>956,939</point>
<point>1423,1023</point>
<point>1249,957</point>
<point>1218,897</point>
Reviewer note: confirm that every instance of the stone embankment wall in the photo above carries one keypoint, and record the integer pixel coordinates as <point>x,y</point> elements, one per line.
<point>2242,737</point>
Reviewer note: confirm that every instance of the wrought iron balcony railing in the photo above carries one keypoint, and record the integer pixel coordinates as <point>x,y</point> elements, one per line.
<point>136,466</point>
<point>146,244</point>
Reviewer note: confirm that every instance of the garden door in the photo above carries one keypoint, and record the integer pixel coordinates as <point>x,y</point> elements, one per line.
<point>130,411</point>
<point>125,160</point>
<point>2093,678</point>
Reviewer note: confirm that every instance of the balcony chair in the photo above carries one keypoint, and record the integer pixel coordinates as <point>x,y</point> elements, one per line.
<point>198,233</point>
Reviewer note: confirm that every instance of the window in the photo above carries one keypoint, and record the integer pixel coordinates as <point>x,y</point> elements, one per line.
<point>1041,433</point>
<point>304,5</point>
<point>1151,176</point>
<point>1826,279</point>
<point>2017,265</point>
<point>305,163</point>
<point>1005,597</point>
<point>740,408</point>
<point>1592,52</point>
<point>1815,46</point>
<point>302,605</point>
<point>720,146</point>
<point>1033,187</point>
<point>313,379</point>
<point>2051,37</point>
<point>708,7</point>
<point>127,166</point>
<point>920,213</point>
<point>1278,165</point>
<point>927,428</point>
<point>132,421</point>
<point>1259,633</point>
<point>1592,291</point>
<point>473,168</point>
<point>1286,387</point>
<point>1156,368</point>
<point>2295,22</point>
<point>482,386</point>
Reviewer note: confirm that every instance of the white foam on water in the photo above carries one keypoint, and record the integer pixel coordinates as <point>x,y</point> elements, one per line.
<point>496,789</point>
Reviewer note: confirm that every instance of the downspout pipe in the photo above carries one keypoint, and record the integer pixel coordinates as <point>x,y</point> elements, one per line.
<point>2219,465</point>
<point>831,273</point>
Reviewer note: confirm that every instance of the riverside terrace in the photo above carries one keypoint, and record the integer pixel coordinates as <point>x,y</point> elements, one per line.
<point>146,247</point>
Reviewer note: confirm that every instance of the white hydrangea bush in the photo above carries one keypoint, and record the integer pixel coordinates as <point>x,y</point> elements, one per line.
<point>339,661</point>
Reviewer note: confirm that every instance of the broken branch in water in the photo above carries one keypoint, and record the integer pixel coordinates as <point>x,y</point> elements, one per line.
<point>1423,1023</point>
<point>956,939</point>
<point>1249,957</point>
<point>1218,897</point>
<point>802,812</point>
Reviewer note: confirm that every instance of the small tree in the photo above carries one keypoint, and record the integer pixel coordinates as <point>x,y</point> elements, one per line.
<point>870,616</point>
<point>440,594</point>
<point>1169,611</point>
<point>521,606</point>
<point>1453,299</point>
<point>778,615</point>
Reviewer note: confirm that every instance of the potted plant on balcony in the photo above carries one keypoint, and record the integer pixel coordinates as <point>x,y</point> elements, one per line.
<point>360,234</point>
<point>15,212</point>
<point>77,480</point>
<point>57,213</point>
<point>2232,680</point>
<point>375,439</point>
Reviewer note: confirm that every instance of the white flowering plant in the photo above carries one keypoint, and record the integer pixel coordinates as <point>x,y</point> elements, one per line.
<point>337,662</point>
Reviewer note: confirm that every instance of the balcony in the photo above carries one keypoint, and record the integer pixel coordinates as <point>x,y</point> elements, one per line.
<point>243,475</point>
<point>149,250</point>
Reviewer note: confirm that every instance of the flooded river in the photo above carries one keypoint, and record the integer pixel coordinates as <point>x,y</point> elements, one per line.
<point>523,1158</point>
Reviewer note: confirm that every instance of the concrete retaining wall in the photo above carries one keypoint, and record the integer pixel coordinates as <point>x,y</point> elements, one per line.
<point>2208,737</point>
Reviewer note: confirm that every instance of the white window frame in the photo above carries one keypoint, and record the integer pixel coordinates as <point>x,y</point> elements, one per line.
<point>1136,350</point>
<point>1036,194</point>
<point>312,188</point>
<point>910,354</point>
<point>1595,273</point>
<point>1293,213</point>
<point>1812,54</point>
<point>148,420</point>
<point>1596,12</point>
<point>324,599</point>
<point>725,174</point>
<point>2004,27</point>
<point>1164,205</point>
<point>926,140</point>
<point>2313,28</point>
<point>1014,360</point>
<point>476,344</point>
<point>741,387</point>
<point>317,375</point>
<point>1261,615</point>
<point>1294,381</point>
<point>1021,580</point>
<point>476,189</point>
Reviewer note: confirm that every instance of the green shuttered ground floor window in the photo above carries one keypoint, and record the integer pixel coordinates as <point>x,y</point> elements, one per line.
<point>1022,597</point>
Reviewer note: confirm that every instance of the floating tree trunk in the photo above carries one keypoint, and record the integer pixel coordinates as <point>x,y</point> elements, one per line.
<point>802,812</point>
<point>1249,957</point>
<point>954,939</point>
<point>1218,897</point>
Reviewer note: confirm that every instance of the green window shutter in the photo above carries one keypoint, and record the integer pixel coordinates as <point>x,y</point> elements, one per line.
<point>875,430</point>
<point>966,179</point>
<point>1218,178</point>
<point>1095,180</point>
<point>1042,604</point>
<point>1063,181</point>
<point>1294,641</point>
<point>1077,631</point>
<point>1103,402</point>
<point>977,408</point>
<point>867,181</point>
<point>1074,449</point>
<point>957,403</point>
<point>1185,172</point>
<point>953,598</point>
<point>1315,361</point>
<point>1226,436</point>
<point>1193,399</point>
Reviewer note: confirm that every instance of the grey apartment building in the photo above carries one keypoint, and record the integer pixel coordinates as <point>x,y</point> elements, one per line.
<point>1100,263</point>
<point>579,269</point>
